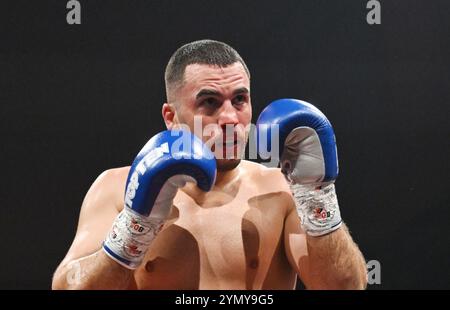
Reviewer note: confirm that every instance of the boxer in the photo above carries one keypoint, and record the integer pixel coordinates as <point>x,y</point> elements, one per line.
<point>173,220</point>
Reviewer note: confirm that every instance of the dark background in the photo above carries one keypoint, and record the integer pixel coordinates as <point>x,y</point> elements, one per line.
<point>79,99</point>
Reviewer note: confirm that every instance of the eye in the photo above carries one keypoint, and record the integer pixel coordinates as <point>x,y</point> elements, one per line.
<point>209,102</point>
<point>240,99</point>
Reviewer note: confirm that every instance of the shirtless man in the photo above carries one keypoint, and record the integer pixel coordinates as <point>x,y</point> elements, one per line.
<point>241,230</point>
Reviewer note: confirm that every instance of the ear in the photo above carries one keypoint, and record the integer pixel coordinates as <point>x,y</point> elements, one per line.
<point>168,114</point>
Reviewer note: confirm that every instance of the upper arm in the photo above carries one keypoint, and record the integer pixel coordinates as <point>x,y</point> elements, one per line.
<point>100,207</point>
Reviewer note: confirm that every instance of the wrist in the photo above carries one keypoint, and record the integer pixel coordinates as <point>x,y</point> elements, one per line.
<point>130,237</point>
<point>317,207</point>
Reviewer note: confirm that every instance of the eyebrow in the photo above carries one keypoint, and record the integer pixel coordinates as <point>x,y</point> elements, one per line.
<point>210,92</point>
<point>207,92</point>
<point>242,90</point>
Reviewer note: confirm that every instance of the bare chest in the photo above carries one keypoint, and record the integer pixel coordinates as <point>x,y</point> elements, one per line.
<point>235,242</point>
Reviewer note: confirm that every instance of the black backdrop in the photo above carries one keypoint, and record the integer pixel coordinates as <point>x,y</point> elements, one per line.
<point>79,99</point>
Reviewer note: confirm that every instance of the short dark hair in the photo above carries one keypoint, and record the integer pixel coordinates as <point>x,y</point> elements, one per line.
<point>205,52</point>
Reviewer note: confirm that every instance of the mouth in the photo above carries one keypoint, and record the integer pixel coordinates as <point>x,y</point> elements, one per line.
<point>229,146</point>
<point>228,149</point>
<point>231,143</point>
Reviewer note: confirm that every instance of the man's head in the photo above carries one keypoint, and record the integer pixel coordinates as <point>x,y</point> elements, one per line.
<point>208,81</point>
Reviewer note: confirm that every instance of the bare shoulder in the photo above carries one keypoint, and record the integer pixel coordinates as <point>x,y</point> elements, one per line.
<point>270,182</point>
<point>266,177</point>
<point>113,178</point>
<point>110,186</point>
<point>115,174</point>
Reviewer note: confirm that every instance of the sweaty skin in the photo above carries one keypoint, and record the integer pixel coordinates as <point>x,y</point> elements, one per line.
<point>243,234</point>
<point>232,237</point>
<point>229,238</point>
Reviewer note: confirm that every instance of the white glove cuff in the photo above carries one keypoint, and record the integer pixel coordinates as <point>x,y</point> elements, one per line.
<point>130,237</point>
<point>318,209</point>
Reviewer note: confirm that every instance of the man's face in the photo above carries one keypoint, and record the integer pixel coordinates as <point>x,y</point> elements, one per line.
<point>220,99</point>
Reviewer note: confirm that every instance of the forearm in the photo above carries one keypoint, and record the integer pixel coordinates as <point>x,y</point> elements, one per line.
<point>96,271</point>
<point>335,262</point>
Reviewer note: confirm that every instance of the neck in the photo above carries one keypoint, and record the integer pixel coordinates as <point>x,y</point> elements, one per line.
<point>226,182</point>
<point>227,177</point>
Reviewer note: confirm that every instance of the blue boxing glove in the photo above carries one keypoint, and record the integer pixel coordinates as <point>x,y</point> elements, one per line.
<point>308,160</point>
<point>165,163</point>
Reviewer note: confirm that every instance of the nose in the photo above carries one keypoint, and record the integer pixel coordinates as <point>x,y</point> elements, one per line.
<point>228,115</point>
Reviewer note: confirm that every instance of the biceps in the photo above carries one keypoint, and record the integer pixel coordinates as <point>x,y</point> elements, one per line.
<point>90,236</point>
<point>96,217</point>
